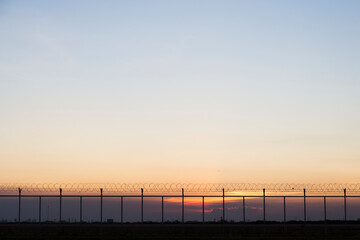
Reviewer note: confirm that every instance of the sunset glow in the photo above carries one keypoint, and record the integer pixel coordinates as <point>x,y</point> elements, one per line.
<point>181,119</point>
<point>133,91</point>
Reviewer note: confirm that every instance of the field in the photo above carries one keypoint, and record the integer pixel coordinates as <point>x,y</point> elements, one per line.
<point>180,231</point>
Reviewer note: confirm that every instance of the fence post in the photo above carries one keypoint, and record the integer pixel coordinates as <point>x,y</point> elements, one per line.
<point>182,196</point>
<point>19,210</point>
<point>223,190</point>
<point>284,214</point>
<point>60,210</point>
<point>80,209</point>
<point>142,205</point>
<point>39,209</point>
<point>244,210</point>
<point>264,204</point>
<point>325,226</point>
<point>162,209</point>
<point>203,209</point>
<point>345,217</point>
<point>284,209</point>
<point>304,206</point>
<point>101,205</point>
<point>122,209</point>
<point>325,209</point>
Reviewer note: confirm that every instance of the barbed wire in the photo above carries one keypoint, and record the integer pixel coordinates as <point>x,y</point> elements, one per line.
<point>176,187</point>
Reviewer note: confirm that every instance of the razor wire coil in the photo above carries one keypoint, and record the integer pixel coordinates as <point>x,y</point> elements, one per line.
<point>176,187</point>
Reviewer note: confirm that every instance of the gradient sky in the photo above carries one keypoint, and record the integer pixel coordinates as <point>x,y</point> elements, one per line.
<point>179,91</point>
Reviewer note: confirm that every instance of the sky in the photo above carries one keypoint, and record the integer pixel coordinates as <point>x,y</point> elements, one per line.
<point>180,91</point>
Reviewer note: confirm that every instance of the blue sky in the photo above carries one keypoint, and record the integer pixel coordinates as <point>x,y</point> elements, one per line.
<point>202,90</point>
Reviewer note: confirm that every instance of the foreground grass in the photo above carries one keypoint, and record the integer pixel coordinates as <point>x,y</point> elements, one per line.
<point>178,231</point>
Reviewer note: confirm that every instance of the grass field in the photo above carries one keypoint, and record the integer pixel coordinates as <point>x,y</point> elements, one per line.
<point>179,231</point>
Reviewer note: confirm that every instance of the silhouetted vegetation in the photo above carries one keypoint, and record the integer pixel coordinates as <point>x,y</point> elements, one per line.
<point>176,230</point>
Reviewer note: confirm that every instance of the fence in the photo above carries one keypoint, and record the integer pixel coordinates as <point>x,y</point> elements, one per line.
<point>101,196</point>
<point>176,187</point>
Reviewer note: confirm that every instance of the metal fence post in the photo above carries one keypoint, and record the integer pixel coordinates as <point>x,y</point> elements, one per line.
<point>60,210</point>
<point>122,209</point>
<point>325,226</point>
<point>264,205</point>
<point>324,209</point>
<point>244,220</point>
<point>203,209</point>
<point>182,197</point>
<point>304,206</point>
<point>101,205</point>
<point>284,209</point>
<point>223,191</point>
<point>345,215</point>
<point>19,209</point>
<point>142,205</point>
<point>80,209</point>
<point>39,209</point>
<point>162,209</point>
<point>284,214</point>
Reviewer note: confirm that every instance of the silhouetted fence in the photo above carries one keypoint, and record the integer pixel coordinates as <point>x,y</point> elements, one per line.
<point>101,196</point>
